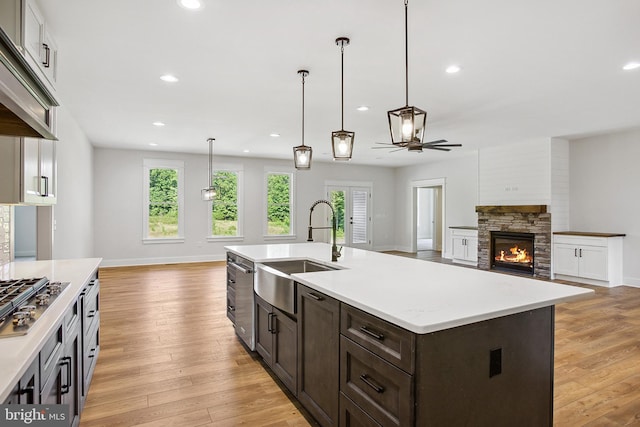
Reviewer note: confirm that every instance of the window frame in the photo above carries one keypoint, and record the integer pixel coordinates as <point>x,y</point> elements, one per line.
<point>147,165</point>
<point>239,171</point>
<point>269,170</point>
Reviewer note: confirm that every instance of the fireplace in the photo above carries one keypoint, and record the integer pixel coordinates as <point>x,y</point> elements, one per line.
<point>529,220</point>
<point>512,252</point>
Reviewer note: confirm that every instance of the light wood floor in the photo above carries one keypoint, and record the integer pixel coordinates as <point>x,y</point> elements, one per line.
<point>169,357</point>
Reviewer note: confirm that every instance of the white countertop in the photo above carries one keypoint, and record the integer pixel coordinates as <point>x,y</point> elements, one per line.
<point>420,296</point>
<point>16,353</point>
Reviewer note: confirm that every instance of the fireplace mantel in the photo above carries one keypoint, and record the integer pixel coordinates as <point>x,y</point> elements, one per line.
<point>502,209</point>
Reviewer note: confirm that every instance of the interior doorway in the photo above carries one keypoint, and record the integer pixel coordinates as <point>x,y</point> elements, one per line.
<point>428,214</point>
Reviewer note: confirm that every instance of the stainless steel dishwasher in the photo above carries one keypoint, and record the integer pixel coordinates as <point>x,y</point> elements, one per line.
<point>240,274</point>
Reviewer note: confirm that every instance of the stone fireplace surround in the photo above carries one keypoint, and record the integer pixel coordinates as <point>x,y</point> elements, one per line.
<point>516,219</point>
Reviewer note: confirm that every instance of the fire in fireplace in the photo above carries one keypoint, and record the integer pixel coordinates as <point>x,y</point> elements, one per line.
<point>512,252</point>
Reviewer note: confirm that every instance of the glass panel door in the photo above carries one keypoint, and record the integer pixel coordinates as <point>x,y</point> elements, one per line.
<point>352,214</point>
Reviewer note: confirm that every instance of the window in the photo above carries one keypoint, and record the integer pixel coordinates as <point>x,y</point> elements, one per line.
<point>279,204</point>
<point>163,217</point>
<point>226,212</point>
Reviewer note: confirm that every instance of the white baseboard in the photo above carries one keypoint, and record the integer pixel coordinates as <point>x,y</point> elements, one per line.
<point>630,281</point>
<point>166,260</point>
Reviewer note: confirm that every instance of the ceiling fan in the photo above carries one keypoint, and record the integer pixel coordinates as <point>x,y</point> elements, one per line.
<point>417,146</point>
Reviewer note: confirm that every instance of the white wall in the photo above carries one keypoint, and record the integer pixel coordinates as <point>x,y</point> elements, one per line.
<point>515,174</point>
<point>461,195</point>
<point>604,195</point>
<point>425,213</point>
<point>73,213</point>
<point>559,185</point>
<point>118,206</point>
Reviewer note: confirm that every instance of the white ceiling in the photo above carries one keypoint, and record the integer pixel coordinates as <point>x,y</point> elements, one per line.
<point>530,69</point>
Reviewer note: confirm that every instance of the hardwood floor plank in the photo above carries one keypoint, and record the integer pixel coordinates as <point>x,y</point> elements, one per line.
<point>169,356</point>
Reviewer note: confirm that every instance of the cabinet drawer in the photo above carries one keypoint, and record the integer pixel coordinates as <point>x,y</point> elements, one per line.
<point>393,344</point>
<point>90,354</point>
<point>351,415</point>
<point>72,316</point>
<point>51,352</point>
<point>580,240</point>
<point>91,306</point>
<point>231,277</point>
<point>379,388</point>
<point>231,304</point>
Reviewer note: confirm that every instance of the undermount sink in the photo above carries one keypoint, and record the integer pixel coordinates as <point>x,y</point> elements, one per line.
<point>274,284</point>
<point>298,266</point>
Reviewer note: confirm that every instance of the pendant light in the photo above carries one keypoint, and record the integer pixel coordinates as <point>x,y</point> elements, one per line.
<point>342,140</point>
<point>209,193</point>
<point>407,123</point>
<point>302,153</point>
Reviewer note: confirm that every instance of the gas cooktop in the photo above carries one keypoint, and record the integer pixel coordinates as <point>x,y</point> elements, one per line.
<point>22,302</point>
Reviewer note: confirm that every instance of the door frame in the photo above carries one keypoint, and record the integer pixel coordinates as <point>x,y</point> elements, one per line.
<point>427,183</point>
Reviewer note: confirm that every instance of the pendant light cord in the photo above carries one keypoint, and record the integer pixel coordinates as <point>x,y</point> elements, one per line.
<point>342,87</point>
<point>406,54</point>
<point>211,161</point>
<point>302,109</point>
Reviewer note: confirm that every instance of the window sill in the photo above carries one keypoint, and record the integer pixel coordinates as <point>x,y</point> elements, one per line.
<point>213,239</point>
<point>162,241</point>
<point>282,237</point>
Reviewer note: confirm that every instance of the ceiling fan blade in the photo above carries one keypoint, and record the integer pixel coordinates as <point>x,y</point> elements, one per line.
<point>437,148</point>
<point>440,141</point>
<point>428,145</point>
<point>383,143</point>
<point>381,148</point>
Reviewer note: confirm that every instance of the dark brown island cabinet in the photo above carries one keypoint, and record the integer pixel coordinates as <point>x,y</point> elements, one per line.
<point>355,369</point>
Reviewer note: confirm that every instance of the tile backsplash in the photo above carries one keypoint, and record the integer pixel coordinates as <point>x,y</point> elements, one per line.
<point>5,234</point>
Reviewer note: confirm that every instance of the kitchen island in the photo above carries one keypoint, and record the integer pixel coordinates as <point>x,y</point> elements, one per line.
<point>63,341</point>
<point>440,344</point>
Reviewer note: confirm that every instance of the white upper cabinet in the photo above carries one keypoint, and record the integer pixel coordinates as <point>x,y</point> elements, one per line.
<point>28,171</point>
<point>41,50</point>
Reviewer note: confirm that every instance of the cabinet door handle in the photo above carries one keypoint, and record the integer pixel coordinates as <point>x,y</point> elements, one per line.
<point>371,333</point>
<point>92,313</point>
<point>580,252</point>
<point>314,296</point>
<point>92,353</point>
<point>47,55</point>
<point>231,308</point>
<point>232,282</point>
<point>65,388</point>
<point>272,327</point>
<point>575,252</point>
<point>367,380</point>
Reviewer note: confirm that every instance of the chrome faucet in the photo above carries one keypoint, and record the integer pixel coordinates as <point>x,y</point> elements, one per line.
<point>335,253</point>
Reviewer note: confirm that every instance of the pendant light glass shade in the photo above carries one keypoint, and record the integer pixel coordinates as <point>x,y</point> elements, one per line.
<point>342,140</point>
<point>407,123</point>
<point>302,153</point>
<point>209,193</point>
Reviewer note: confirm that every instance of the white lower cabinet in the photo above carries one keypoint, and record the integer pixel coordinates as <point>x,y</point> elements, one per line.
<point>464,244</point>
<point>594,258</point>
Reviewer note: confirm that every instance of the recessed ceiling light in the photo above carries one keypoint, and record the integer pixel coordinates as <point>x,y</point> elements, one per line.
<point>631,66</point>
<point>159,124</point>
<point>153,144</point>
<point>190,4</point>
<point>452,69</point>
<point>169,78</point>
<point>274,135</point>
<point>245,151</point>
<point>363,108</point>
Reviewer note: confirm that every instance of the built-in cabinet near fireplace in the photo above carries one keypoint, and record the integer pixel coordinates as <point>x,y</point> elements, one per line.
<point>512,252</point>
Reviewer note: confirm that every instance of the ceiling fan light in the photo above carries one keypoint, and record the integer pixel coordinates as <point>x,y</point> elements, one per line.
<point>342,144</point>
<point>407,125</point>
<point>302,156</point>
